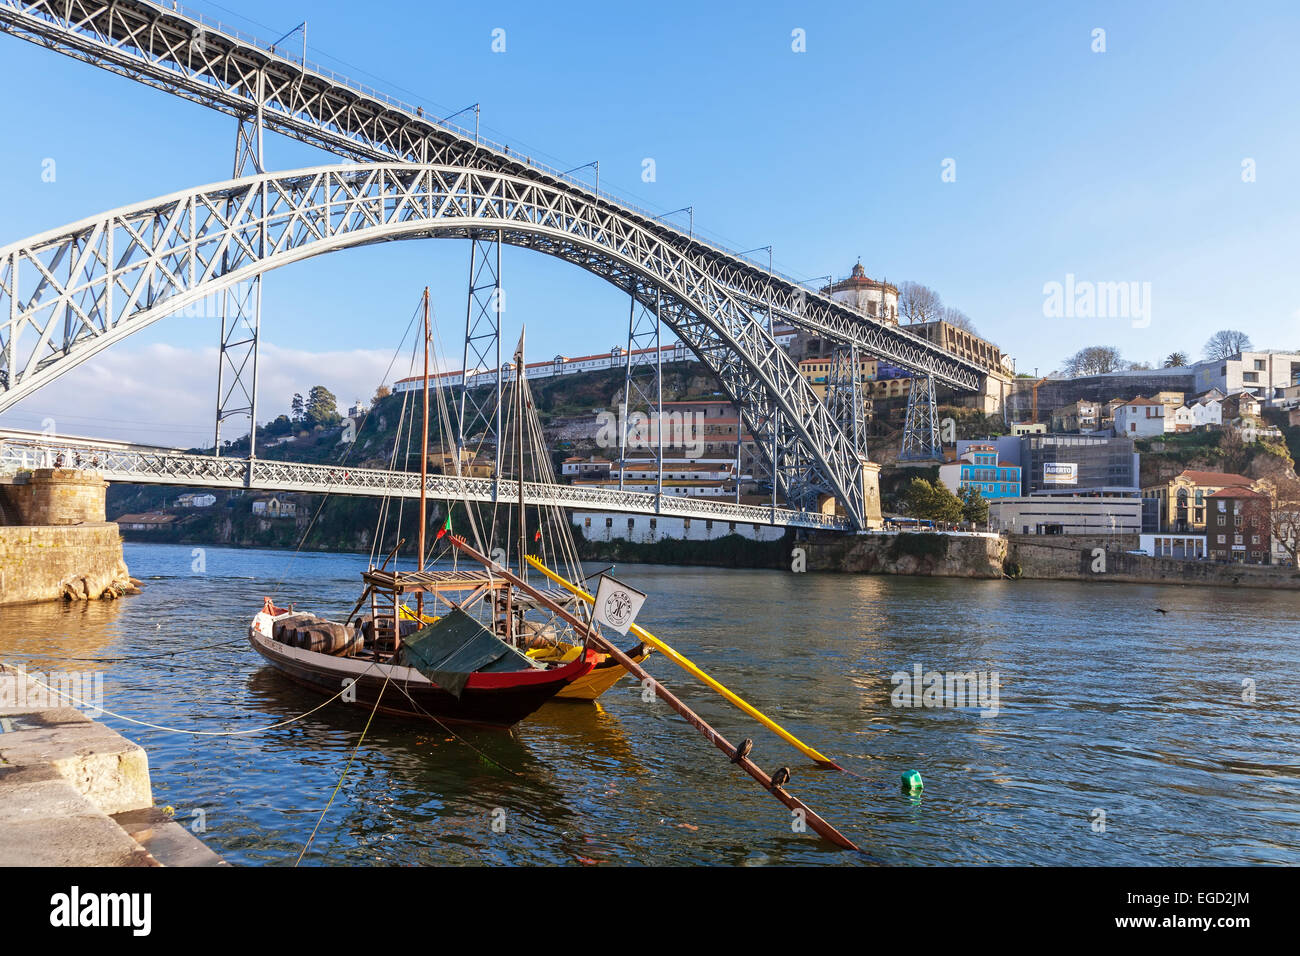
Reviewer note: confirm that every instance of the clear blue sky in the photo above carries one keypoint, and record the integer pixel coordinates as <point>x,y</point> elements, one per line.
<point>1115,166</point>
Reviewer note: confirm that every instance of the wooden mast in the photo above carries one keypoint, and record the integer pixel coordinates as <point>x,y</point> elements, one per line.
<point>519,442</point>
<point>424,453</point>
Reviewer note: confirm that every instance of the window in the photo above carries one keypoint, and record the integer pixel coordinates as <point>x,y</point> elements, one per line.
<point>631,523</point>
<point>609,522</point>
<point>586,522</point>
<point>1259,365</point>
<point>1223,539</point>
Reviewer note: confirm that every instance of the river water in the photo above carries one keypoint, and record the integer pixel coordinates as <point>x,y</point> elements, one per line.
<point>1121,735</point>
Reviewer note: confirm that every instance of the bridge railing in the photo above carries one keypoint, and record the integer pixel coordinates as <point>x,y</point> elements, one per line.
<point>150,466</point>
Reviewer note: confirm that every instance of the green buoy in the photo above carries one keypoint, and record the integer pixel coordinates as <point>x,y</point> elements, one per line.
<point>912,781</point>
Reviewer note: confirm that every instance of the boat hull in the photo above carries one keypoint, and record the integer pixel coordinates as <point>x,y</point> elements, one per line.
<point>602,677</point>
<point>492,700</point>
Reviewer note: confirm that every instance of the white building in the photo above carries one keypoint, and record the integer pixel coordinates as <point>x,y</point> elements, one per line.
<point>274,507</point>
<point>1262,373</point>
<point>196,500</point>
<point>1206,410</point>
<point>859,291</point>
<point>1140,418</point>
<point>647,529</point>
<point>1066,514</point>
<point>1187,546</point>
<point>1183,419</point>
<point>616,357</point>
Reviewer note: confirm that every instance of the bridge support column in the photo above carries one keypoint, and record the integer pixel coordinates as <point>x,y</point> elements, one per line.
<point>844,396</point>
<point>482,353</point>
<point>643,386</point>
<point>871,514</point>
<point>921,430</point>
<point>241,307</point>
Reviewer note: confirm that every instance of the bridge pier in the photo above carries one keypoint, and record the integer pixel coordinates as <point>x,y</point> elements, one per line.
<point>54,541</point>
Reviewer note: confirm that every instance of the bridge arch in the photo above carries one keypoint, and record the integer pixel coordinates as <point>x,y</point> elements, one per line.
<point>69,293</point>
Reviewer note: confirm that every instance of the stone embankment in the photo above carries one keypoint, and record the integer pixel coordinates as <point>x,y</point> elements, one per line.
<point>928,554</point>
<point>1107,558</point>
<point>76,793</point>
<point>55,543</point>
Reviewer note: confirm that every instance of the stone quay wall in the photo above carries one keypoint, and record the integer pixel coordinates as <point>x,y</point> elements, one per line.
<point>54,541</point>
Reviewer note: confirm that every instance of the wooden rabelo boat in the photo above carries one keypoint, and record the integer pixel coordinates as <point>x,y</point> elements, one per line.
<point>483,645</point>
<point>447,667</point>
<point>467,652</point>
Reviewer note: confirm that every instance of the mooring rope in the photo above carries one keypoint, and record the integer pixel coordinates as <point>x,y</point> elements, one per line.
<point>181,730</point>
<point>344,775</point>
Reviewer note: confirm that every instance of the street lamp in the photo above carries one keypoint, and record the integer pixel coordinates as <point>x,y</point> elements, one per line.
<point>686,209</point>
<point>594,163</point>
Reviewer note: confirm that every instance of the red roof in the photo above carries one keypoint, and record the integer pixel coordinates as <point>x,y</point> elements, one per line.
<point>1237,492</point>
<point>1218,479</point>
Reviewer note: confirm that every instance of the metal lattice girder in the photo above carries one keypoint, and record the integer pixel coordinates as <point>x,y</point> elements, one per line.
<point>74,291</point>
<point>844,395</point>
<point>921,430</point>
<point>479,419</point>
<point>138,465</point>
<point>182,55</point>
<point>643,386</point>
<point>241,313</point>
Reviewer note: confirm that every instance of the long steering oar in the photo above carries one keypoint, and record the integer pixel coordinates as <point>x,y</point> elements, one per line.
<point>693,669</point>
<point>738,755</point>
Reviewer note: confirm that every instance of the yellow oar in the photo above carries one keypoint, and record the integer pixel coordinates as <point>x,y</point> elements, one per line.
<point>691,668</point>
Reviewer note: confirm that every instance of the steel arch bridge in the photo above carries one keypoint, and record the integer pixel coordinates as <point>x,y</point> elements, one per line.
<point>73,292</point>
<point>67,294</point>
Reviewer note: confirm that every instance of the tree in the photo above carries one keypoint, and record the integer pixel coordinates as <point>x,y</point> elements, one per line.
<point>932,501</point>
<point>958,318</point>
<point>1232,450</point>
<point>1139,366</point>
<point>1226,343</point>
<point>974,506</point>
<point>918,303</point>
<point>1176,360</point>
<point>296,407</point>
<point>382,392</point>
<point>1094,360</point>
<point>1284,516</point>
<point>322,407</point>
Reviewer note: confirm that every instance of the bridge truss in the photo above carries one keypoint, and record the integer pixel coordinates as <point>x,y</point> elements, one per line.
<point>184,55</point>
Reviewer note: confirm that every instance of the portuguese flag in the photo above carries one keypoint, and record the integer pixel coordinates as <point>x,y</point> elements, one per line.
<point>445,529</point>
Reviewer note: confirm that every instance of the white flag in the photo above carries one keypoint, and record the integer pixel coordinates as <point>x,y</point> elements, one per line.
<point>617,604</point>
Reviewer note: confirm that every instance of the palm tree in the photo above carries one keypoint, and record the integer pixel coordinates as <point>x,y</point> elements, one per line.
<point>1176,360</point>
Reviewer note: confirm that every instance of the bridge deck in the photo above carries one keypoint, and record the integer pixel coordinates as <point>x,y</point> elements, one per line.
<point>117,461</point>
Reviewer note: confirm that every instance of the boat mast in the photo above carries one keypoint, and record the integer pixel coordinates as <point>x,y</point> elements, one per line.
<point>424,450</point>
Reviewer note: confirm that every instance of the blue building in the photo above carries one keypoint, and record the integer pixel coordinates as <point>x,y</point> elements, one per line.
<point>979,467</point>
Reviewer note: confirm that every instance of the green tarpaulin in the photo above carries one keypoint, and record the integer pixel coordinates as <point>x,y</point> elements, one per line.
<point>457,646</point>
